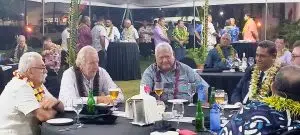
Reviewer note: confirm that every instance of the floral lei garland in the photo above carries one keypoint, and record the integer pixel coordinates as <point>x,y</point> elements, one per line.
<point>220,52</point>
<point>271,72</point>
<point>110,30</point>
<point>128,32</point>
<point>38,92</point>
<point>283,104</point>
<point>164,29</point>
<point>181,33</point>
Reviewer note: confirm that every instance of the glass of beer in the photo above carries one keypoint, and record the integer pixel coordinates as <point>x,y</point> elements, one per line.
<point>220,96</point>
<point>158,89</point>
<point>114,93</point>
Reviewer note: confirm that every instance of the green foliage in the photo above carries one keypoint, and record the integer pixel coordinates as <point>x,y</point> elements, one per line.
<point>290,31</point>
<point>198,54</point>
<point>74,17</point>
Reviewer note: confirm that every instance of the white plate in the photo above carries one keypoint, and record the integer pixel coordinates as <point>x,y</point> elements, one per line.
<point>60,121</point>
<point>104,105</point>
<point>231,106</point>
<point>177,100</point>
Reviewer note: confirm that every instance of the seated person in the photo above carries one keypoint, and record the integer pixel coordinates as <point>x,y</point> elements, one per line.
<point>52,58</point>
<point>21,48</point>
<point>87,75</point>
<point>279,112</point>
<point>296,53</point>
<point>257,79</point>
<point>173,74</point>
<point>25,102</point>
<point>216,57</point>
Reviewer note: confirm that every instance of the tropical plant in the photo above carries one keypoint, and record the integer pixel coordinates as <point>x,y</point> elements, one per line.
<point>74,16</point>
<point>290,31</point>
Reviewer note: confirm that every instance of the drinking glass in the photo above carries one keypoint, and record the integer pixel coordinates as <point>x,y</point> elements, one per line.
<point>159,89</point>
<point>230,62</point>
<point>251,61</point>
<point>114,93</point>
<point>219,95</point>
<point>77,104</point>
<point>178,111</point>
<point>191,92</point>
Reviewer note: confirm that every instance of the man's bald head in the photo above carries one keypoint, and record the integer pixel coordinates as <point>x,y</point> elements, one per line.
<point>127,23</point>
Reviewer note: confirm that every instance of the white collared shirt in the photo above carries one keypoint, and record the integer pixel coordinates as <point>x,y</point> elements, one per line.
<point>68,87</point>
<point>115,33</point>
<point>17,103</point>
<point>97,32</point>
<point>64,39</point>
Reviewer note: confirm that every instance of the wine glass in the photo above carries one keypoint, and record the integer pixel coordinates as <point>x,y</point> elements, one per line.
<point>114,93</point>
<point>191,92</point>
<point>251,61</point>
<point>178,111</point>
<point>158,89</point>
<point>77,104</point>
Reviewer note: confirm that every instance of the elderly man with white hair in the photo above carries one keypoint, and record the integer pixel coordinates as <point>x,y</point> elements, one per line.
<point>217,57</point>
<point>21,48</point>
<point>25,101</point>
<point>129,33</point>
<point>173,74</point>
<point>85,76</point>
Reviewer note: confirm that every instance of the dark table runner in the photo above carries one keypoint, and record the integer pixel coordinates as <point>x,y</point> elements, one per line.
<point>123,61</point>
<point>121,127</point>
<point>224,80</point>
<point>248,48</point>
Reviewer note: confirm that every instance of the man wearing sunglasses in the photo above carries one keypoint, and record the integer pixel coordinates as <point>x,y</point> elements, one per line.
<point>296,53</point>
<point>217,57</point>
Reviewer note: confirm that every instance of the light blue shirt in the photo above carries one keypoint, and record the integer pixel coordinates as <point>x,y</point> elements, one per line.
<point>186,75</point>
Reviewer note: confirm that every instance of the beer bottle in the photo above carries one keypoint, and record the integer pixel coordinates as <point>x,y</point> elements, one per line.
<point>212,98</point>
<point>91,102</point>
<point>199,118</point>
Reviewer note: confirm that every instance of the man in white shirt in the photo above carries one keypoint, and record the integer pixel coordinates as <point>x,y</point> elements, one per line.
<point>25,101</point>
<point>64,44</point>
<point>100,41</point>
<point>112,31</point>
<point>129,33</point>
<point>211,34</point>
<point>85,76</point>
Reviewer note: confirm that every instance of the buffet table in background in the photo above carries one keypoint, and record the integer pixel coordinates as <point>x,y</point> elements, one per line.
<point>123,61</point>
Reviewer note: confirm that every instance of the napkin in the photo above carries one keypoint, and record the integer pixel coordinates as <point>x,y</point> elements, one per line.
<point>184,119</point>
<point>186,132</point>
<point>150,107</point>
<point>165,133</point>
<point>4,68</point>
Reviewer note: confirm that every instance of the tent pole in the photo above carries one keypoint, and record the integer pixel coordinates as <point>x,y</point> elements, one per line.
<point>43,17</point>
<point>90,8</point>
<point>194,23</point>
<point>266,19</point>
<point>125,10</point>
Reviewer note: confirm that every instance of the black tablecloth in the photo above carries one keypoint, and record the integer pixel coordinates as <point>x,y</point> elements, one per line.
<point>248,48</point>
<point>6,76</point>
<point>121,127</point>
<point>123,61</point>
<point>224,80</point>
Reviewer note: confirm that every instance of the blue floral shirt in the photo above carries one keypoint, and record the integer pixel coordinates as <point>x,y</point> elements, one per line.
<point>234,32</point>
<point>258,118</point>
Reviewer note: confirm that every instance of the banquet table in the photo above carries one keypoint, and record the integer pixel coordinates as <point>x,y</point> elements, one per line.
<point>121,127</point>
<point>123,61</point>
<point>248,48</point>
<point>223,80</point>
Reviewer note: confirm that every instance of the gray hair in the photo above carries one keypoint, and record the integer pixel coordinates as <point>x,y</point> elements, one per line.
<point>227,35</point>
<point>163,46</point>
<point>26,61</point>
<point>19,38</point>
<point>82,54</point>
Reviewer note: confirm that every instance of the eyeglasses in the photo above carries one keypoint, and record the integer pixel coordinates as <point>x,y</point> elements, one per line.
<point>40,68</point>
<point>295,56</point>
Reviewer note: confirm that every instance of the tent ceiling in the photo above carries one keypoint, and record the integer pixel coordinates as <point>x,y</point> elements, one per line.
<point>136,4</point>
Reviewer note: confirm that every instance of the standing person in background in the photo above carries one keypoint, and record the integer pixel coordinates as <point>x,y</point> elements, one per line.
<point>194,32</point>
<point>211,34</point>
<point>52,56</point>
<point>250,32</point>
<point>65,35</point>
<point>181,37</point>
<point>21,48</point>
<point>129,33</point>
<point>113,33</point>
<point>235,31</point>
<point>100,41</point>
<point>84,33</point>
<point>160,34</point>
<point>283,54</point>
<point>145,43</point>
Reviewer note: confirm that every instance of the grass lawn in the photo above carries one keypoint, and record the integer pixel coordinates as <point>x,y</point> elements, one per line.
<point>131,88</point>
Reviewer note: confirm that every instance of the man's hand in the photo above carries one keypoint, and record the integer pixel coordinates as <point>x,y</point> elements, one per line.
<point>104,99</point>
<point>49,103</point>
